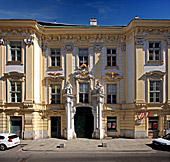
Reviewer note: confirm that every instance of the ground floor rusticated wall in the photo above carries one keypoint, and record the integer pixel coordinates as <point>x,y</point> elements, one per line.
<point>35,123</point>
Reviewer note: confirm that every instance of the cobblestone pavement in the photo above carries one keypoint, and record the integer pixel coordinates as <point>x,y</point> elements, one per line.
<point>87,145</point>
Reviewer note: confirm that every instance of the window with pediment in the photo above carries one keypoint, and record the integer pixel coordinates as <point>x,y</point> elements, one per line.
<point>16,91</point>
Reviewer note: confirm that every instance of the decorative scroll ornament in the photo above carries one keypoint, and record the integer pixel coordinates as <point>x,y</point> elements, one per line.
<point>142,116</point>
<point>68,89</point>
<point>83,72</point>
<point>55,75</point>
<point>112,75</point>
<point>69,48</point>
<point>139,41</point>
<point>29,41</point>
<point>2,41</point>
<point>97,48</point>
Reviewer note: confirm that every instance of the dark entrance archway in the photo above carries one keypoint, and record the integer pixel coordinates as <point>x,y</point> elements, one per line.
<point>84,122</point>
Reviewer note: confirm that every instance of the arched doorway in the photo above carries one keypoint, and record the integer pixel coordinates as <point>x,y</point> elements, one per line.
<point>84,122</point>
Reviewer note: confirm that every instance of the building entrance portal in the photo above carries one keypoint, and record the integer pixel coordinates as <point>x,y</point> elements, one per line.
<point>84,122</point>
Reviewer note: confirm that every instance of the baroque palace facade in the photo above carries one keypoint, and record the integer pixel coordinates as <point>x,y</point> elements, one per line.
<point>85,81</point>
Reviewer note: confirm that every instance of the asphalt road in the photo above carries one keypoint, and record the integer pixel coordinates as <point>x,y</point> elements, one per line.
<point>17,155</point>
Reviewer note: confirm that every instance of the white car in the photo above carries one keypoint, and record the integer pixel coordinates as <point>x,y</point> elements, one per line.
<point>8,140</point>
<point>162,142</point>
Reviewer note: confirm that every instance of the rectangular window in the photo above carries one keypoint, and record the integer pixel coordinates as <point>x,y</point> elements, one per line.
<point>155,91</point>
<point>55,57</point>
<point>154,51</point>
<point>111,56</point>
<point>83,56</point>
<point>111,124</point>
<point>153,123</point>
<point>16,91</point>
<point>15,49</point>
<point>111,93</point>
<point>84,92</point>
<point>55,93</point>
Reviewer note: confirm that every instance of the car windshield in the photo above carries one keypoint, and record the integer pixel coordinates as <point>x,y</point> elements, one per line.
<point>13,136</point>
<point>167,137</point>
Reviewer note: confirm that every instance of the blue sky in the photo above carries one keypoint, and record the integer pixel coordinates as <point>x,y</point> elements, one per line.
<point>107,12</point>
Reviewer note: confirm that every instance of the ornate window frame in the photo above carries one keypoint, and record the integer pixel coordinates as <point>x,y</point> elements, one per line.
<point>154,76</point>
<point>50,81</point>
<point>77,55</point>
<point>8,57</point>
<point>78,81</point>
<point>117,57</point>
<point>161,61</point>
<point>50,67</point>
<point>14,77</point>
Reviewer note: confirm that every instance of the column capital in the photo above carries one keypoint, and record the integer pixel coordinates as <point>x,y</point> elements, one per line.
<point>123,48</point>
<point>69,48</point>
<point>97,47</point>
<point>44,47</point>
<point>2,41</point>
<point>139,41</point>
<point>168,41</point>
<point>29,41</point>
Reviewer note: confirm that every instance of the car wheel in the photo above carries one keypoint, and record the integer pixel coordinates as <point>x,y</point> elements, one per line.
<point>2,147</point>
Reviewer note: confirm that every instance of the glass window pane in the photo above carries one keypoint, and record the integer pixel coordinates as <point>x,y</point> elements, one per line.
<point>109,61</point>
<point>18,86</point>
<point>58,99</point>
<point>12,55</point>
<point>86,98</point>
<point>12,86</point>
<point>150,45</point>
<point>86,85</point>
<point>81,97</point>
<point>109,99</point>
<point>18,97</point>
<point>80,87</point>
<point>108,51</point>
<point>113,61</point>
<point>113,51</point>
<point>113,98</point>
<point>157,45</point>
<point>52,51</point>
<point>85,60</point>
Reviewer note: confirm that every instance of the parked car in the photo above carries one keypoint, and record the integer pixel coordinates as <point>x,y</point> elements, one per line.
<point>163,142</point>
<point>8,140</point>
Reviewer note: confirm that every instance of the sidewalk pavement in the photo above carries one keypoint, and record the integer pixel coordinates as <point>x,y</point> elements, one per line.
<point>87,145</point>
